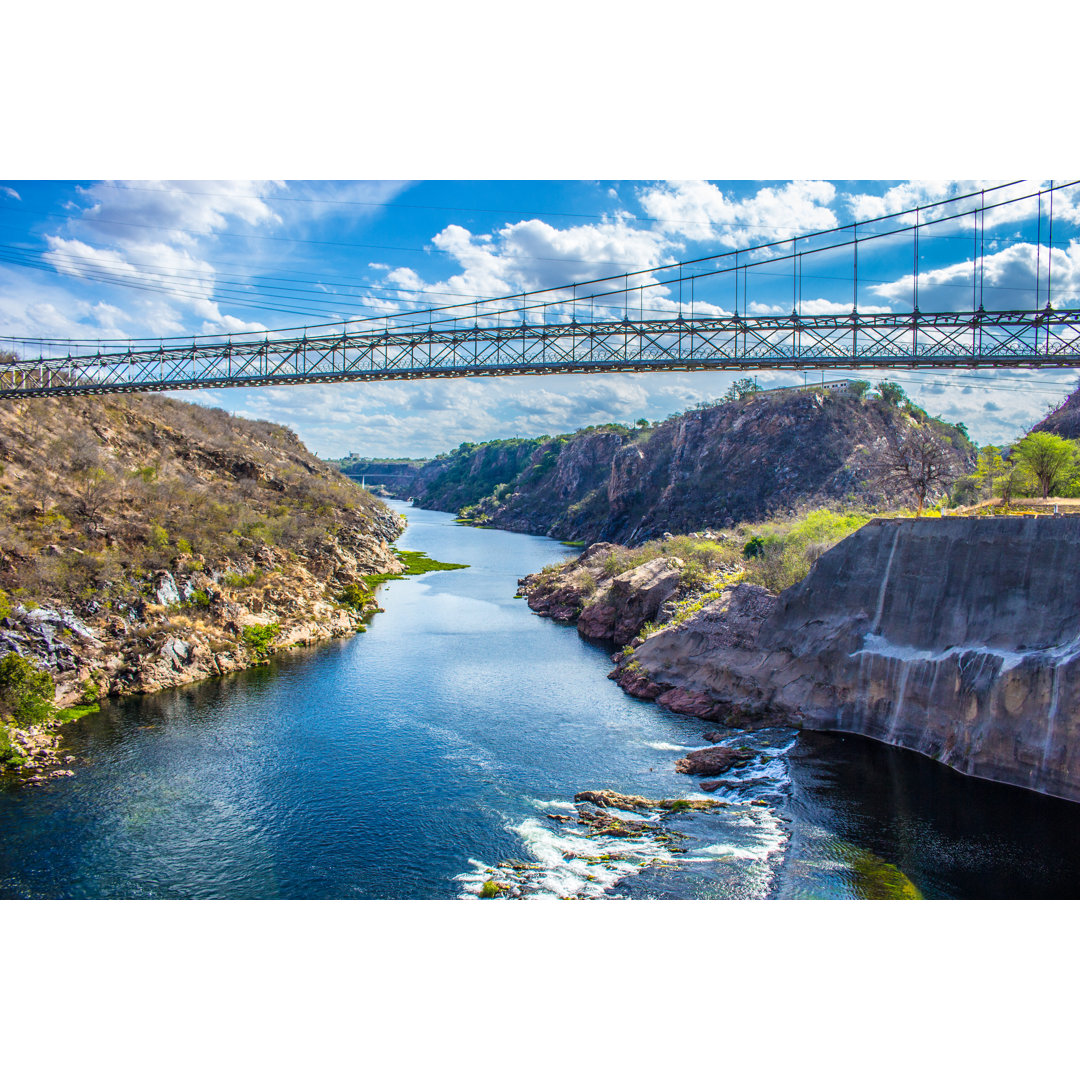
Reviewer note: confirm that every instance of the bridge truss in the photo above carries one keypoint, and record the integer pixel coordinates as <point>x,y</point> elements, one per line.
<point>999,339</point>
<point>669,318</point>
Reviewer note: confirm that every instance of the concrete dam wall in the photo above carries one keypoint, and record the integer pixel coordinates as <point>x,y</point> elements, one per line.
<point>958,638</point>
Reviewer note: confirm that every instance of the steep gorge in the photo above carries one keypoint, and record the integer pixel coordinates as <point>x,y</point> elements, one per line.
<point>707,468</point>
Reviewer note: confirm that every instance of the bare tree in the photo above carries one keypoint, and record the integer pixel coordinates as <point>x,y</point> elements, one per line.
<point>917,461</point>
<point>94,488</point>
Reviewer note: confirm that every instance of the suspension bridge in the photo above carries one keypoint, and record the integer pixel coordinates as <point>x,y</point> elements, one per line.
<point>700,314</point>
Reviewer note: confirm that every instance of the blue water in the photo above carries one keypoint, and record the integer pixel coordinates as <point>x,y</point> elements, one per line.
<point>410,761</point>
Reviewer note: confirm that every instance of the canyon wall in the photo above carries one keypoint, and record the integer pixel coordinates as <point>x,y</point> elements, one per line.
<point>708,468</point>
<point>958,638</point>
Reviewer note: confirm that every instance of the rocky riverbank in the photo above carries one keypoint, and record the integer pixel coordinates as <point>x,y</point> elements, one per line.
<point>147,543</point>
<point>956,638</point>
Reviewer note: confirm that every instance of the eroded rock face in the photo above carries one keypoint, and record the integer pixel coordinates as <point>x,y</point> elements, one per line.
<point>956,638</point>
<point>630,600</point>
<point>605,607</point>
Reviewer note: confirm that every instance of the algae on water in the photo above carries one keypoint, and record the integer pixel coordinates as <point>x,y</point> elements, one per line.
<point>876,879</point>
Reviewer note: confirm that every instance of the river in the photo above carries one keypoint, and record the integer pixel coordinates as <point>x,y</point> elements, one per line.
<point>413,760</point>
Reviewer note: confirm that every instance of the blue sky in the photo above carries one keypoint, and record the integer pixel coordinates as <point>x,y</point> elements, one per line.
<point>110,260</point>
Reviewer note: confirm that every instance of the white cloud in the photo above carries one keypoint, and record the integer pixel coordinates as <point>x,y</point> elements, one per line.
<point>148,234</point>
<point>819,307</point>
<point>11,193</point>
<point>527,256</point>
<point>1009,278</point>
<point>699,210</point>
<point>183,210</point>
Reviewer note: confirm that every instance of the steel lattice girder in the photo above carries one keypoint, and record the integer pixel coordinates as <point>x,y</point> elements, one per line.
<point>1045,338</point>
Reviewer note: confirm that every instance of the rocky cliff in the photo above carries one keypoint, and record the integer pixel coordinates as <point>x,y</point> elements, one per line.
<point>146,542</point>
<point>1064,420</point>
<point>707,468</point>
<point>956,638</point>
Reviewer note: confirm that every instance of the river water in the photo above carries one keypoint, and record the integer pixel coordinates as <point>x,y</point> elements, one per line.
<point>413,760</point>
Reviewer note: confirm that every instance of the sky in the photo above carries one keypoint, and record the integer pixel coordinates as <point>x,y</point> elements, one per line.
<point>117,259</point>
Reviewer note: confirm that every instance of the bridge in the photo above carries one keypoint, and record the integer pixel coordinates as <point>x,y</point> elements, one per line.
<point>695,315</point>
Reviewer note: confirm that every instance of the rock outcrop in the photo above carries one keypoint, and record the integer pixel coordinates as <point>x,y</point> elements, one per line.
<point>956,638</point>
<point>606,606</point>
<point>1064,420</point>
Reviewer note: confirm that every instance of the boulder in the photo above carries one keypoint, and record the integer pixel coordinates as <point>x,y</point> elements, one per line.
<point>713,760</point>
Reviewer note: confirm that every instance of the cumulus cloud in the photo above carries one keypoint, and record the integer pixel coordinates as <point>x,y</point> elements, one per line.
<point>1009,280</point>
<point>148,235</point>
<point>699,210</point>
<point>1008,205</point>
<point>526,256</point>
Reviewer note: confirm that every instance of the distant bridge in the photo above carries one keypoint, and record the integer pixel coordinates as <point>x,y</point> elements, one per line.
<point>558,330</point>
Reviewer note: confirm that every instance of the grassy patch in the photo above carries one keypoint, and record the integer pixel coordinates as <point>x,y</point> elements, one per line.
<point>418,562</point>
<point>65,716</point>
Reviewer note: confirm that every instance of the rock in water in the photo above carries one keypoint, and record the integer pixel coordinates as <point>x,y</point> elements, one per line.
<point>615,800</point>
<point>713,760</point>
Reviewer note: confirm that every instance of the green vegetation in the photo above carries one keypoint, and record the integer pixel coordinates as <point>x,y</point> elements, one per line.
<point>1040,465</point>
<point>418,562</point>
<point>775,554</point>
<point>355,597</point>
<point>9,753</point>
<point>259,638</point>
<point>489,890</point>
<point>475,470</point>
<point>414,562</point>
<point>782,554</point>
<point>64,716</point>
<point>26,694</point>
<point>242,581</point>
<point>875,879</point>
<point>1049,460</point>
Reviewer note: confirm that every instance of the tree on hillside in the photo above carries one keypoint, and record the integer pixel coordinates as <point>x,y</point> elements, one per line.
<point>1051,459</point>
<point>917,461</point>
<point>1011,483</point>
<point>891,393</point>
<point>94,488</point>
<point>739,389</point>
<point>991,465</point>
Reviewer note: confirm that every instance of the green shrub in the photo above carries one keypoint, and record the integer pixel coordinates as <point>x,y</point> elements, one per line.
<point>183,546</point>
<point>198,599</point>
<point>784,554</point>
<point>754,548</point>
<point>158,538</point>
<point>91,691</point>
<point>242,581</point>
<point>354,596</point>
<point>9,753</point>
<point>26,693</point>
<point>5,605</point>
<point>260,637</point>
